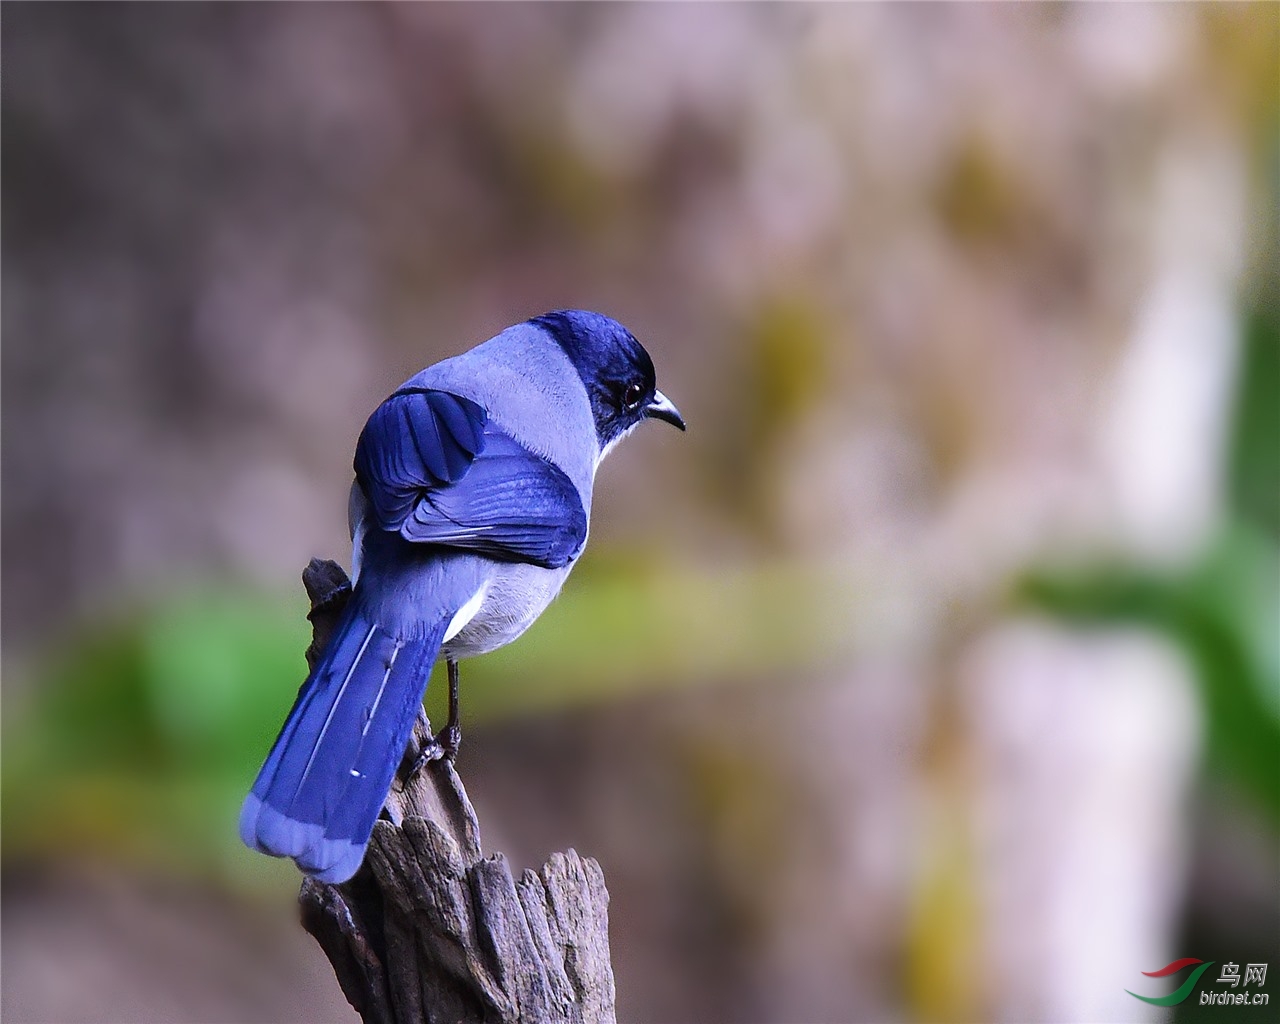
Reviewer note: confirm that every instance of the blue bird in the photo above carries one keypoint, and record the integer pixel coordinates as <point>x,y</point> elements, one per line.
<point>470,505</point>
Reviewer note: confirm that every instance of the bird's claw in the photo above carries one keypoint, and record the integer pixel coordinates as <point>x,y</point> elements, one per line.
<point>449,739</point>
<point>432,750</point>
<point>443,746</point>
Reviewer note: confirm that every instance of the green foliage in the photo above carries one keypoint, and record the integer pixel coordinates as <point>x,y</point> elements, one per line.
<point>1255,456</point>
<point>143,735</point>
<point>1224,615</point>
<point>627,626</point>
<point>1225,612</point>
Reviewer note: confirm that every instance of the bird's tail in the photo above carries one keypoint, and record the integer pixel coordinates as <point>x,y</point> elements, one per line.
<point>324,782</point>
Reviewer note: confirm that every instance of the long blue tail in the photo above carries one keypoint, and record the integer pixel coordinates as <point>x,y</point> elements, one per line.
<point>324,782</point>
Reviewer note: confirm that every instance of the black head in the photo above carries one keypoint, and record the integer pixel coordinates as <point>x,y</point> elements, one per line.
<point>614,367</point>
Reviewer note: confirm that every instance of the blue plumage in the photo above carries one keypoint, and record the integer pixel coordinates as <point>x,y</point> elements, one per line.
<point>470,504</point>
<point>325,781</point>
<point>512,505</point>
<point>436,471</point>
<point>418,438</point>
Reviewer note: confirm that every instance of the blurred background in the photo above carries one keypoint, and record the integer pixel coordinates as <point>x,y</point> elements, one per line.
<point>933,675</point>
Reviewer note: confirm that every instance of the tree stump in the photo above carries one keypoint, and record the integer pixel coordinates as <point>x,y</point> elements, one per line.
<point>430,929</point>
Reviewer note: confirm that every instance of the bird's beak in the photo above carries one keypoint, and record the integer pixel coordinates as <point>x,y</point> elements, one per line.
<point>662,409</point>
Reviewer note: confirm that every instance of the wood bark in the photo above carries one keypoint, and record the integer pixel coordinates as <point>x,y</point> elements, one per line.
<point>430,929</point>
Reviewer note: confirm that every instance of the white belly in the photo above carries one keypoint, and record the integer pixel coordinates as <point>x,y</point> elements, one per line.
<point>509,603</point>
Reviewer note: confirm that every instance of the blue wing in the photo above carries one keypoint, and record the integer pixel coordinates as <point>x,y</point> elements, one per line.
<point>437,470</point>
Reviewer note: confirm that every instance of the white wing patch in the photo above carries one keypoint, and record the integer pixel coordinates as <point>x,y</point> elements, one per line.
<point>465,614</point>
<point>357,549</point>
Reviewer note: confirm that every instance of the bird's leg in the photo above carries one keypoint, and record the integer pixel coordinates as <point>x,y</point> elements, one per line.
<point>450,737</point>
<point>446,742</point>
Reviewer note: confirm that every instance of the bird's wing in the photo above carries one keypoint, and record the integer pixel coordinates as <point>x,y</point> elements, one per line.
<point>437,470</point>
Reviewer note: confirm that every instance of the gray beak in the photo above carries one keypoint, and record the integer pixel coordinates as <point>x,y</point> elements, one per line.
<point>662,409</point>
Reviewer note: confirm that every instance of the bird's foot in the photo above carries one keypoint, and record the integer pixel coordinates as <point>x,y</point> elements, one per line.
<point>449,739</point>
<point>442,746</point>
<point>432,750</point>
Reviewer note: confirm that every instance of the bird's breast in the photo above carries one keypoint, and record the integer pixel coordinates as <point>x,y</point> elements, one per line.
<point>514,596</point>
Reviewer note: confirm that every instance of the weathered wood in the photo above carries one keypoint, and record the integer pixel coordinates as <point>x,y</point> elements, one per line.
<point>430,929</point>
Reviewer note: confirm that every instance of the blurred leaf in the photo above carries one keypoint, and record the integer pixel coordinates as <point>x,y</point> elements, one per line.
<point>944,974</point>
<point>1225,612</point>
<point>1224,615</point>
<point>621,628</point>
<point>981,200</point>
<point>1255,457</point>
<point>781,378</point>
<point>147,731</point>
<point>1242,44</point>
<point>787,363</point>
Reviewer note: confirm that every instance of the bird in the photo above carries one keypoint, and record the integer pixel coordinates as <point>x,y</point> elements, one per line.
<point>470,505</point>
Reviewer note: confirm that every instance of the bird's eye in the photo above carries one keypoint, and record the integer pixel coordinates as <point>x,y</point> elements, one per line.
<point>632,397</point>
